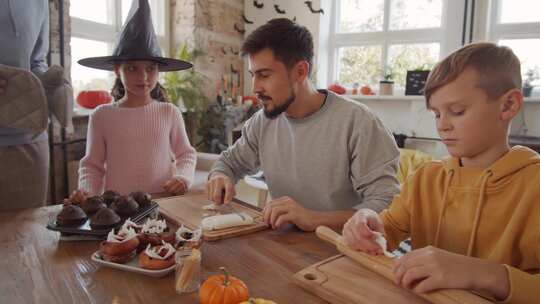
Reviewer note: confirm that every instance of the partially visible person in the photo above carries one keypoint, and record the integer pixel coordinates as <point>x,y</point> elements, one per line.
<point>139,142</point>
<point>323,156</point>
<point>472,218</point>
<point>24,158</point>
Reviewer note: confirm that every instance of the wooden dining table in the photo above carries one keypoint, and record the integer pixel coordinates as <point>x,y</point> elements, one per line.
<point>37,267</point>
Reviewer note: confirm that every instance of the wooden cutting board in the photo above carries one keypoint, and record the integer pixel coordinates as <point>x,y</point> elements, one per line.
<point>340,280</point>
<point>382,266</point>
<point>188,210</point>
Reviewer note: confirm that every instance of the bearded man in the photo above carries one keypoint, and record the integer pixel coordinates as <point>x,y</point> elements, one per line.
<point>323,156</point>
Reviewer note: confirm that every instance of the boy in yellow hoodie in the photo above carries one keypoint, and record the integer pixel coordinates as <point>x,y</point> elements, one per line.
<point>473,218</point>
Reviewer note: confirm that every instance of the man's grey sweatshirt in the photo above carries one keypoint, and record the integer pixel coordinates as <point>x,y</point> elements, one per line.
<point>338,158</point>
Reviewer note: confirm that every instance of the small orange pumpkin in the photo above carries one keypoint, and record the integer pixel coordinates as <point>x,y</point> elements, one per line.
<point>223,289</point>
<point>93,98</point>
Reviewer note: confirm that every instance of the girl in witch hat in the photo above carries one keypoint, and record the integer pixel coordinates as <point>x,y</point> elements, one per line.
<point>139,142</point>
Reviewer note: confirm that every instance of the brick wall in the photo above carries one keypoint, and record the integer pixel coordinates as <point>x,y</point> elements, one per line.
<point>74,151</point>
<point>209,25</point>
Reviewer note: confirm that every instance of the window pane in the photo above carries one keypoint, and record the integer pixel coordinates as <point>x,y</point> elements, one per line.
<point>361,64</point>
<point>361,15</point>
<point>403,57</point>
<point>527,52</point>
<point>84,78</point>
<point>415,14</point>
<point>518,11</point>
<point>96,10</point>
<point>126,5</point>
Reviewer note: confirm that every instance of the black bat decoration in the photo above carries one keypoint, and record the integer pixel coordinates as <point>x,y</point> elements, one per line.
<point>234,52</point>
<point>246,19</point>
<point>238,29</point>
<point>294,19</point>
<point>257,4</point>
<point>279,10</point>
<point>223,50</point>
<point>233,70</point>
<point>314,11</point>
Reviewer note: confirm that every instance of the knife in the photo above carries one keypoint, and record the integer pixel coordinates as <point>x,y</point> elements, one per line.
<point>229,207</point>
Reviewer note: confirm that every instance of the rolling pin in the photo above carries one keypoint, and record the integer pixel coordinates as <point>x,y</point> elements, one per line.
<point>382,265</point>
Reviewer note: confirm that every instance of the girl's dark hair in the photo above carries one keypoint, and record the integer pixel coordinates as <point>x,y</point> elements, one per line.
<point>158,93</point>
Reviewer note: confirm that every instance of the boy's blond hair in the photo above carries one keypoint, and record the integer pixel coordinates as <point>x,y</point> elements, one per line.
<point>498,68</point>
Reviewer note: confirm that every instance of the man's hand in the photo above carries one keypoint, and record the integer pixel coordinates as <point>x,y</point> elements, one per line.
<point>220,188</point>
<point>3,85</point>
<point>175,186</point>
<point>431,268</point>
<point>285,210</point>
<point>361,230</point>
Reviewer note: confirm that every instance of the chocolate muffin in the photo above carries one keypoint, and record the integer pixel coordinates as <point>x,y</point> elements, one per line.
<point>110,196</point>
<point>142,198</point>
<point>104,218</point>
<point>92,204</point>
<point>71,215</point>
<point>125,206</point>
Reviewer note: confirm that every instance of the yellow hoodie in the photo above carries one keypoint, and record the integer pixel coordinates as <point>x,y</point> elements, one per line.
<point>491,213</point>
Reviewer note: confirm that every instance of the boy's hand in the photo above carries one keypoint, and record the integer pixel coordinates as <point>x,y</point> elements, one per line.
<point>431,268</point>
<point>220,188</point>
<point>77,197</point>
<point>284,210</point>
<point>175,186</point>
<point>359,231</point>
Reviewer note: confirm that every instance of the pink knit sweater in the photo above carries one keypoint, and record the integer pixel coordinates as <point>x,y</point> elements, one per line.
<point>132,149</point>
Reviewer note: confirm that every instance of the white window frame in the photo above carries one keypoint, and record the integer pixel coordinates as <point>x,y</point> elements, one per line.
<point>449,35</point>
<point>86,29</point>
<point>500,31</point>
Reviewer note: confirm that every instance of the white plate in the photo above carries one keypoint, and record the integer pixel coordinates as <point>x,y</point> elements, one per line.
<point>132,266</point>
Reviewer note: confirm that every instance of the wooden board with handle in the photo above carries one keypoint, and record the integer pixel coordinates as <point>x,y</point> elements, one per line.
<point>340,280</point>
<point>188,210</point>
<point>382,265</point>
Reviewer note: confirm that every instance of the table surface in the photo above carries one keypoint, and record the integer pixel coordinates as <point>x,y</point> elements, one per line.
<point>38,268</point>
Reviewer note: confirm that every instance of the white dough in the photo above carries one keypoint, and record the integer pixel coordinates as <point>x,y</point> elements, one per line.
<point>212,207</point>
<point>223,221</point>
<point>379,239</point>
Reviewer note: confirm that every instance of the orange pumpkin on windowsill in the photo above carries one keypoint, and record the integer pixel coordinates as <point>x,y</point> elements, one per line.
<point>93,98</point>
<point>223,289</point>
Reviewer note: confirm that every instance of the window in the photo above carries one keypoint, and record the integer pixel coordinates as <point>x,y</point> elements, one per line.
<point>95,25</point>
<point>373,38</point>
<point>516,24</point>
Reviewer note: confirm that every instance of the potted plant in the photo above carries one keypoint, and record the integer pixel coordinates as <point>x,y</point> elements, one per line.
<point>527,84</point>
<point>185,90</point>
<point>386,86</point>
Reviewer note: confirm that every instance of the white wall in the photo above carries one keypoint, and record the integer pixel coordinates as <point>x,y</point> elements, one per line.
<point>408,115</point>
<point>317,24</point>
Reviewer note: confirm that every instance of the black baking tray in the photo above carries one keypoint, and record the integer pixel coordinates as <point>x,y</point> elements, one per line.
<point>85,229</point>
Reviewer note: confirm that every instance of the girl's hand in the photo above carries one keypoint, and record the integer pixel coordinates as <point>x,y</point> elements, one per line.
<point>430,268</point>
<point>175,186</point>
<point>361,230</point>
<point>77,197</point>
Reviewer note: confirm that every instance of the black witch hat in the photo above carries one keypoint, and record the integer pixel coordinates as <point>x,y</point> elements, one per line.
<point>137,41</point>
